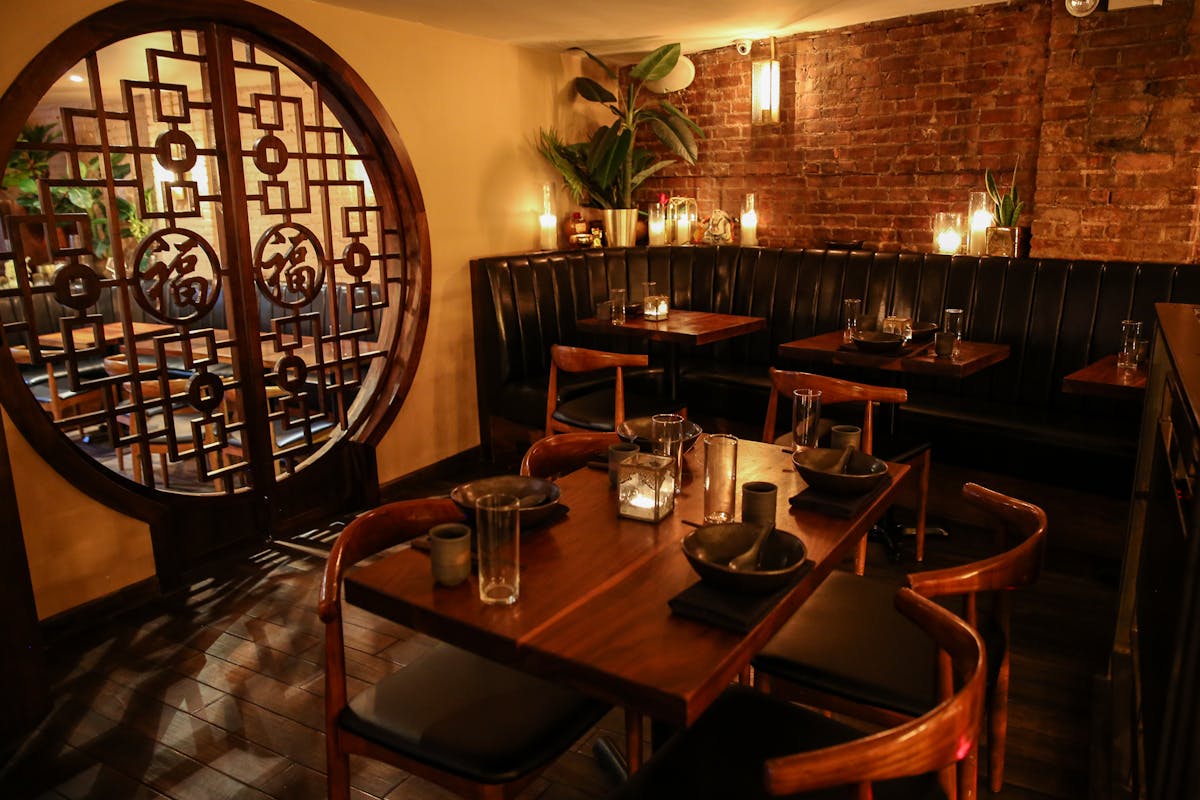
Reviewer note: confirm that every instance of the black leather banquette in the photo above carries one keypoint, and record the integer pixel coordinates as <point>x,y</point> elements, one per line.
<point>1056,316</point>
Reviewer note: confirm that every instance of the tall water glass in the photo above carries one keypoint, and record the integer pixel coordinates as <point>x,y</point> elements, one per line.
<point>720,477</point>
<point>617,296</point>
<point>498,531</point>
<point>953,323</point>
<point>666,432</point>
<point>1131,332</point>
<point>806,418</point>
<point>852,308</point>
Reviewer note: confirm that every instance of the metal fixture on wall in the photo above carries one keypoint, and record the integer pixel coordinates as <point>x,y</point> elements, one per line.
<point>1081,8</point>
<point>764,87</point>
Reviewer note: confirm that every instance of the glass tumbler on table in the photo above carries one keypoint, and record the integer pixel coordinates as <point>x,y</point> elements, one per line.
<point>852,308</point>
<point>720,477</point>
<point>806,418</point>
<point>666,432</point>
<point>1131,332</point>
<point>617,297</point>
<point>953,323</point>
<point>498,533</point>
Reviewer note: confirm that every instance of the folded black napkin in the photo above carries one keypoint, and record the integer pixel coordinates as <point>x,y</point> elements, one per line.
<point>726,609</point>
<point>836,505</point>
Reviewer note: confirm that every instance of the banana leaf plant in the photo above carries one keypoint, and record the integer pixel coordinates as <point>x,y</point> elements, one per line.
<point>605,170</point>
<point>1007,206</point>
<point>27,166</point>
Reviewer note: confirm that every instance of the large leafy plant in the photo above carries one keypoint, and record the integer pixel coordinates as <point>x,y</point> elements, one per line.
<point>1007,206</point>
<point>27,166</point>
<point>605,170</point>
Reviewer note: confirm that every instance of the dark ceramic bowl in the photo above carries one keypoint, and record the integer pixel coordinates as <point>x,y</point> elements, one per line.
<point>538,498</point>
<point>638,431</point>
<point>863,471</point>
<point>922,332</point>
<point>875,342</point>
<point>709,548</point>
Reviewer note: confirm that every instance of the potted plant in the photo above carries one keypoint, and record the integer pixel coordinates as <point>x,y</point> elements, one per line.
<point>604,171</point>
<point>1005,237</point>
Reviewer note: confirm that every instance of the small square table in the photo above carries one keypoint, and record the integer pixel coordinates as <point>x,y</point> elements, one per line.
<point>1104,379</point>
<point>827,348</point>
<point>680,327</point>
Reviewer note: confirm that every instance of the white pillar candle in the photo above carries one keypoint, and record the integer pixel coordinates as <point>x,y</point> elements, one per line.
<point>750,228</point>
<point>683,230</point>
<point>549,238</point>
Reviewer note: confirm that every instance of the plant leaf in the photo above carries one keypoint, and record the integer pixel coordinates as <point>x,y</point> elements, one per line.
<point>80,198</point>
<point>640,177</point>
<point>657,65</point>
<point>607,69</point>
<point>675,112</point>
<point>588,89</point>
<point>676,137</point>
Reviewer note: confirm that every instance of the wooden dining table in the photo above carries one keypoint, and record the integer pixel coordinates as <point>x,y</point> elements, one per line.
<point>594,590</point>
<point>1103,378</point>
<point>829,348</point>
<point>272,347</point>
<point>680,327</point>
<point>111,333</point>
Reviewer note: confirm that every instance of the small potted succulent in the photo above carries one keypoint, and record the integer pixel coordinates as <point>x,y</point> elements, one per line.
<point>1005,237</point>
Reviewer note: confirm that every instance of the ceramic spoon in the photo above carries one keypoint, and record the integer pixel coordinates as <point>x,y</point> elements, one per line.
<point>842,461</point>
<point>749,559</point>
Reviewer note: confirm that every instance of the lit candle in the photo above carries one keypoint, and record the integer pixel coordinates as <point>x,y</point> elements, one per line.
<point>949,241</point>
<point>947,232</point>
<point>979,219</point>
<point>749,222</point>
<point>656,224</point>
<point>683,230</point>
<point>549,221</point>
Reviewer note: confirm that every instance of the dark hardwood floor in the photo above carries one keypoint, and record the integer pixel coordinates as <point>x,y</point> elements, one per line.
<point>215,692</point>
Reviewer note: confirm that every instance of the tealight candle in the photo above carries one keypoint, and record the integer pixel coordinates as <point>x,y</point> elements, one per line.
<point>947,232</point>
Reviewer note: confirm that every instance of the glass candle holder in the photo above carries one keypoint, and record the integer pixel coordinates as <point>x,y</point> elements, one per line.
<point>947,233</point>
<point>656,224</point>
<point>979,219</point>
<point>656,308</point>
<point>682,219</point>
<point>749,222</point>
<point>646,487</point>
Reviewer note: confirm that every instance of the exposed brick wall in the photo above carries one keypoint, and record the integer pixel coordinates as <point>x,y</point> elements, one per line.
<point>885,124</point>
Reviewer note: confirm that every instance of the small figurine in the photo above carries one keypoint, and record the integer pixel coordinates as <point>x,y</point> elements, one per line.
<point>597,237</point>
<point>719,229</point>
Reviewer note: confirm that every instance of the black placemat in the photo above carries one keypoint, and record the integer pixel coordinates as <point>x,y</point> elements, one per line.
<point>836,505</point>
<point>730,610</point>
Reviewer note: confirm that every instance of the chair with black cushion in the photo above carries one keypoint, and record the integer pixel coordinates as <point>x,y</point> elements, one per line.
<point>476,727</point>
<point>554,456</point>
<point>749,745</point>
<point>599,409</point>
<point>847,651</point>
<point>835,391</point>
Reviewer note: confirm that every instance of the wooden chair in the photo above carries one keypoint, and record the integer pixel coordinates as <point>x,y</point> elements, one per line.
<point>836,390</point>
<point>554,456</point>
<point>469,724</point>
<point>844,650</point>
<point>598,409</point>
<point>749,745</point>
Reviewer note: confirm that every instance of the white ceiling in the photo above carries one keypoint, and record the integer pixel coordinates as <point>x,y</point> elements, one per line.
<point>625,28</point>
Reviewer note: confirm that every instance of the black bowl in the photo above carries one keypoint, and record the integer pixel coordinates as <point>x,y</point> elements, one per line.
<point>922,332</point>
<point>638,431</point>
<point>538,498</point>
<point>863,471</point>
<point>709,548</point>
<point>875,342</point>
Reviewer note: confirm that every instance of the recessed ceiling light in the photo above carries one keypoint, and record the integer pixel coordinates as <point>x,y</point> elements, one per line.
<point>75,78</point>
<point>1081,8</point>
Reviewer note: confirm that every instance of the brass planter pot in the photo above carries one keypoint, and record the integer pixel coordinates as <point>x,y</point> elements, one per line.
<point>620,226</point>
<point>1009,242</point>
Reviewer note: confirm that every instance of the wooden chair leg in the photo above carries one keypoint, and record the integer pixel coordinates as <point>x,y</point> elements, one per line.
<point>860,557</point>
<point>633,740</point>
<point>997,713</point>
<point>162,463</point>
<point>338,770</point>
<point>922,504</point>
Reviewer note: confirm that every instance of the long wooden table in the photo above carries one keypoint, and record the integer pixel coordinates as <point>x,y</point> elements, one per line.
<point>828,348</point>
<point>111,333</point>
<point>594,589</point>
<point>680,327</point>
<point>271,349</point>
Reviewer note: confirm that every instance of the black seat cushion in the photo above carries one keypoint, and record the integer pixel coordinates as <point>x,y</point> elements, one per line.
<point>594,410</point>
<point>722,754</point>
<point>849,640</point>
<point>471,716</point>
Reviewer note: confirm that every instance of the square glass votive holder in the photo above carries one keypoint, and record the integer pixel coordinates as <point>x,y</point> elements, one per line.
<point>656,307</point>
<point>646,487</point>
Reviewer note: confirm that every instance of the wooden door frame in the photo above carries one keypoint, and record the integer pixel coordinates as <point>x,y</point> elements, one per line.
<point>174,518</point>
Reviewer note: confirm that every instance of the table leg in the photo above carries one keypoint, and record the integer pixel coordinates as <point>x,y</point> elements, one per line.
<point>673,371</point>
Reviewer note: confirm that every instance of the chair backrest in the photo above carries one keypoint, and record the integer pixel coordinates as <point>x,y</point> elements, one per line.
<point>940,738</point>
<point>552,456</point>
<point>370,533</point>
<point>1018,566</point>
<point>833,391</point>
<point>580,359</point>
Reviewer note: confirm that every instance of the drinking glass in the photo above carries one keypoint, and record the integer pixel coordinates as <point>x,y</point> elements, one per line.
<point>666,432</point>
<point>852,308</point>
<point>954,324</point>
<point>1131,331</point>
<point>720,477</point>
<point>806,418</point>
<point>498,530</point>
<point>617,297</point>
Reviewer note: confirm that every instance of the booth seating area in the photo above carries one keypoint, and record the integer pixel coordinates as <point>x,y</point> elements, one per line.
<point>1056,316</point>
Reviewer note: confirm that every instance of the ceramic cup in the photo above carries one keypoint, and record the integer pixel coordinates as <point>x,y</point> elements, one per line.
<point>843,436</point>
<point>450,553</point>
<point>616,454</point>
<point>758,502</point>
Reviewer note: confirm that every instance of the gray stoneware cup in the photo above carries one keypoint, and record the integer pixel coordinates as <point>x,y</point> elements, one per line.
<point>843,436</point>
<point>450,553</point>
<point>758,502</point>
